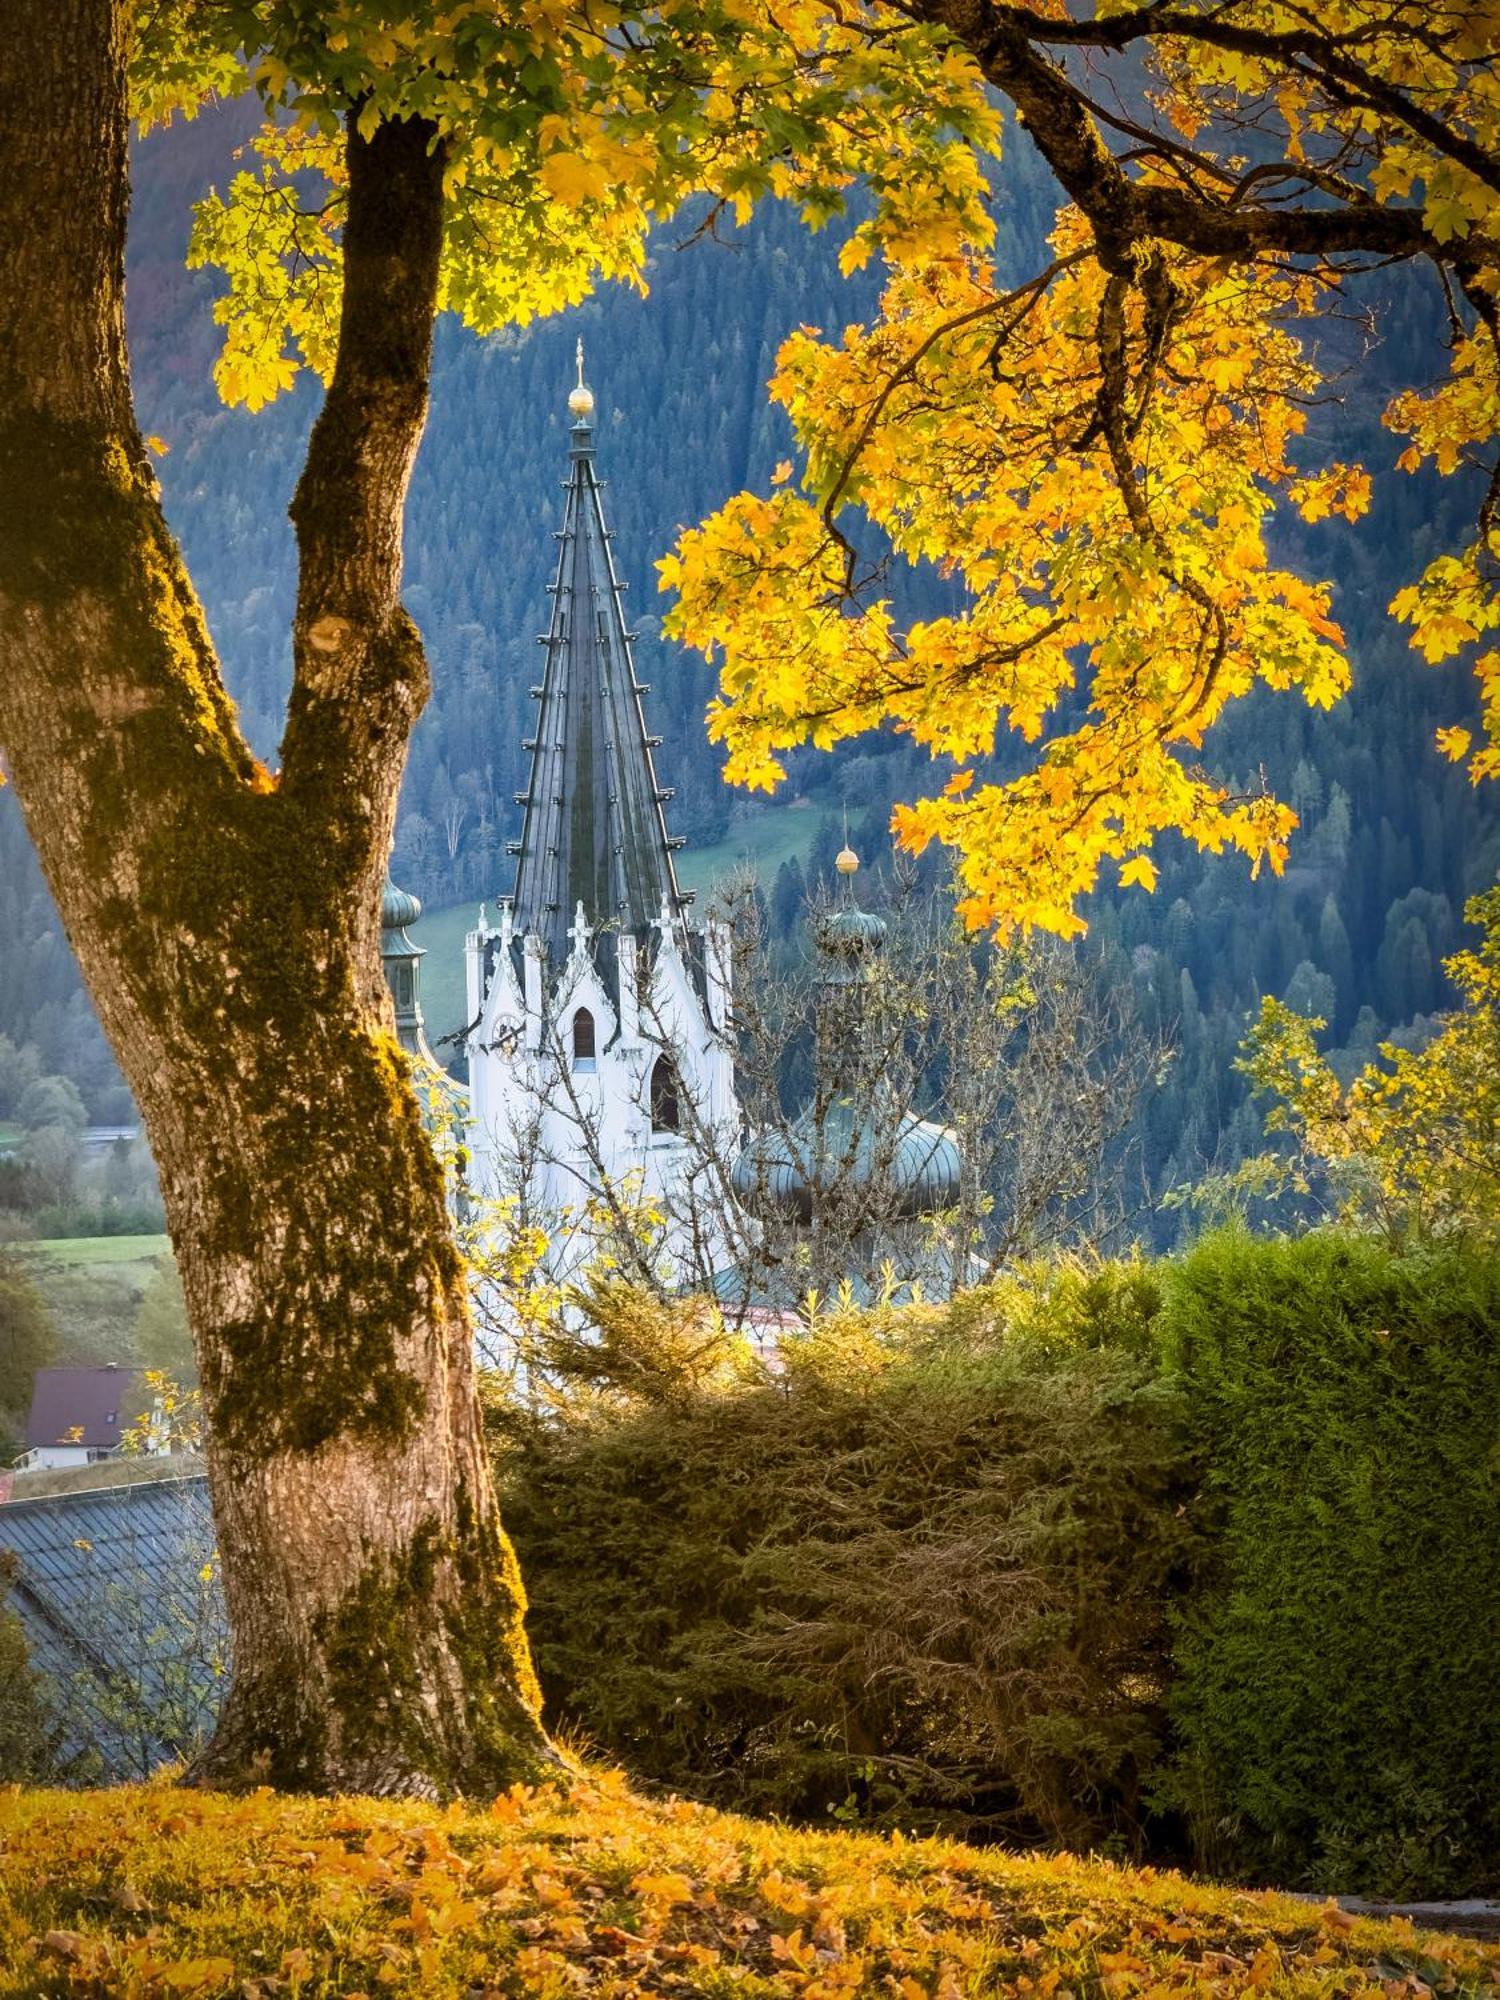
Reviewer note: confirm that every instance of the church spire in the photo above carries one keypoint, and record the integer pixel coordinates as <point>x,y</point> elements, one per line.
<point>595,831</point>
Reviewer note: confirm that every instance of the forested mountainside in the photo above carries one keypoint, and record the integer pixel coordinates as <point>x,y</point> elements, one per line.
<point>1393,837</point>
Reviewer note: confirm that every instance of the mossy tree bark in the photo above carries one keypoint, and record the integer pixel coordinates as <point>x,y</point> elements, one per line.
<point>227,922</point>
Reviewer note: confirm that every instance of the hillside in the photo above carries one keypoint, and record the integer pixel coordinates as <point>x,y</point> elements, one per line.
<point>151,1892</point>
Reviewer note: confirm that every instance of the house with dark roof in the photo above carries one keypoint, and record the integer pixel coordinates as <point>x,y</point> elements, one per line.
<point>79,1415</point>
<point>117,1593</point>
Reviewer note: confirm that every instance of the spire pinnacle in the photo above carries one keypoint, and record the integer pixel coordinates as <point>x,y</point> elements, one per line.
<point>581,401</point>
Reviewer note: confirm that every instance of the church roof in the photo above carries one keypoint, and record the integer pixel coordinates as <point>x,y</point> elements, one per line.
<point>595,831</point>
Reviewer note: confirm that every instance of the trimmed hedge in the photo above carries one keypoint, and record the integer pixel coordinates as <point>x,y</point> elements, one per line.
<point>1336,1698</point>
<point>1201,1557</point>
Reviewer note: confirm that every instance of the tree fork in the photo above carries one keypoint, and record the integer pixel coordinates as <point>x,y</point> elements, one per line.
<point>227,927</point>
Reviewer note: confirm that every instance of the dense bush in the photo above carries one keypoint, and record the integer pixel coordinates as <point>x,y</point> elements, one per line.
<point>918,1573</point>
<point>1337,1668</point>
<point>1202,1554</point>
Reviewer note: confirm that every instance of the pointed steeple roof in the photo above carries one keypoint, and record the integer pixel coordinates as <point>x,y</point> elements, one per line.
<point>595,832</point>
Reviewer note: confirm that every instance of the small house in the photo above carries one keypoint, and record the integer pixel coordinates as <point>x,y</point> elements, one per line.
<point>79,1415</point>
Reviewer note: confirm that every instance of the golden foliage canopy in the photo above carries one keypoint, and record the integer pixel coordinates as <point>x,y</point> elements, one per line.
<point>1094,452</point>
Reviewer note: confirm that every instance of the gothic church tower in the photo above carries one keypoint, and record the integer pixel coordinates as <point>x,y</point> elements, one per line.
<point>600,1058</point>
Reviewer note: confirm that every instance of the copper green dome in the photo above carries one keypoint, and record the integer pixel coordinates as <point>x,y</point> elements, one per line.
<point>848,938</point>
<point>851,1148</point>
<point>398,907</point>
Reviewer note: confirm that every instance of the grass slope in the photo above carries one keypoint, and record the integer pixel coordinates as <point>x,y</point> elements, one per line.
<point>441,935</point>
<point>764,840</point>
<point>91,1286</point>
<point>132,1256</point>
<point>147,1891</point>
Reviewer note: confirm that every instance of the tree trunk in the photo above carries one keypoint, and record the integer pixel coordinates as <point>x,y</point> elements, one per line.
<point>227,923</point>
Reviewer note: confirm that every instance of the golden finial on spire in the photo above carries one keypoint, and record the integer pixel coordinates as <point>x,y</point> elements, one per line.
<point>581,402</point>
<point>846,860</point>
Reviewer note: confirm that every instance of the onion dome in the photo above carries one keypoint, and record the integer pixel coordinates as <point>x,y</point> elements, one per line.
<point>402,961</point>
<point>398,907</point>
<point>857,1142</point>
<point>848,939</point>
<point>915,1165</point>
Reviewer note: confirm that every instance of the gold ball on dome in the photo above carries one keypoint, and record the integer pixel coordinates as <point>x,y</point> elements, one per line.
<point>846,861</point>
<point>581,402</point>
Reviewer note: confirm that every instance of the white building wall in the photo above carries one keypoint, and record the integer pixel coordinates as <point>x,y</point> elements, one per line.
<point>568,1135</point>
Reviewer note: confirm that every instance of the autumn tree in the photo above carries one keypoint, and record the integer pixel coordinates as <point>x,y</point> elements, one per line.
<point>415,157</point>
<point>1095,448</point>
<point>1411,1144</point>
<point>163,1338</point>
<point>1093,451</point>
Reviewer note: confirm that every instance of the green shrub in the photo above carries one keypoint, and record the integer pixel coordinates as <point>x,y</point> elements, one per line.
<point>917,1575</point>
<point>1205,1553</point>
<point>1336,1699</point>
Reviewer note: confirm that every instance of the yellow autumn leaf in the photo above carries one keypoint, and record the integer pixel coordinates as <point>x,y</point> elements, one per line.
<point>574,179</point>
<point>665,1888</point>
<point>1138,870</point>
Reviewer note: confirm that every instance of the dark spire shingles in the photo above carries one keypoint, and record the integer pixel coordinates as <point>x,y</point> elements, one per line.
<point>595,831</point>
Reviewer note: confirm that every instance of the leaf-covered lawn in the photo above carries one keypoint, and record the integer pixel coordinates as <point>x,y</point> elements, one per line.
<point>149,1891</point>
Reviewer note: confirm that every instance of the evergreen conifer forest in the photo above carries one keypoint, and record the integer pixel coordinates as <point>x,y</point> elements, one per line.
<point>749,998</point>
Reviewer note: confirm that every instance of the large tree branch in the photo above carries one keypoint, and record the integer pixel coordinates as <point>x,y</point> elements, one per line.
<point>361,676</point>
<point>1124,211</point>
<point>1329,59</point>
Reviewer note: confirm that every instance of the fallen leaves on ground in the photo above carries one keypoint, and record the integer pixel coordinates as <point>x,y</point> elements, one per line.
<point>148,1892</point>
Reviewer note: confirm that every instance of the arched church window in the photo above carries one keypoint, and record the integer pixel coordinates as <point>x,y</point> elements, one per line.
<point>583,1039</point>
<point>666,1102</point>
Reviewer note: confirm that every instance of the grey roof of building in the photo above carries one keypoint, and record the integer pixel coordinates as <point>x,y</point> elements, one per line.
<point>118,1596</point>
<point>595,829</point>
<point>86,1406</point>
